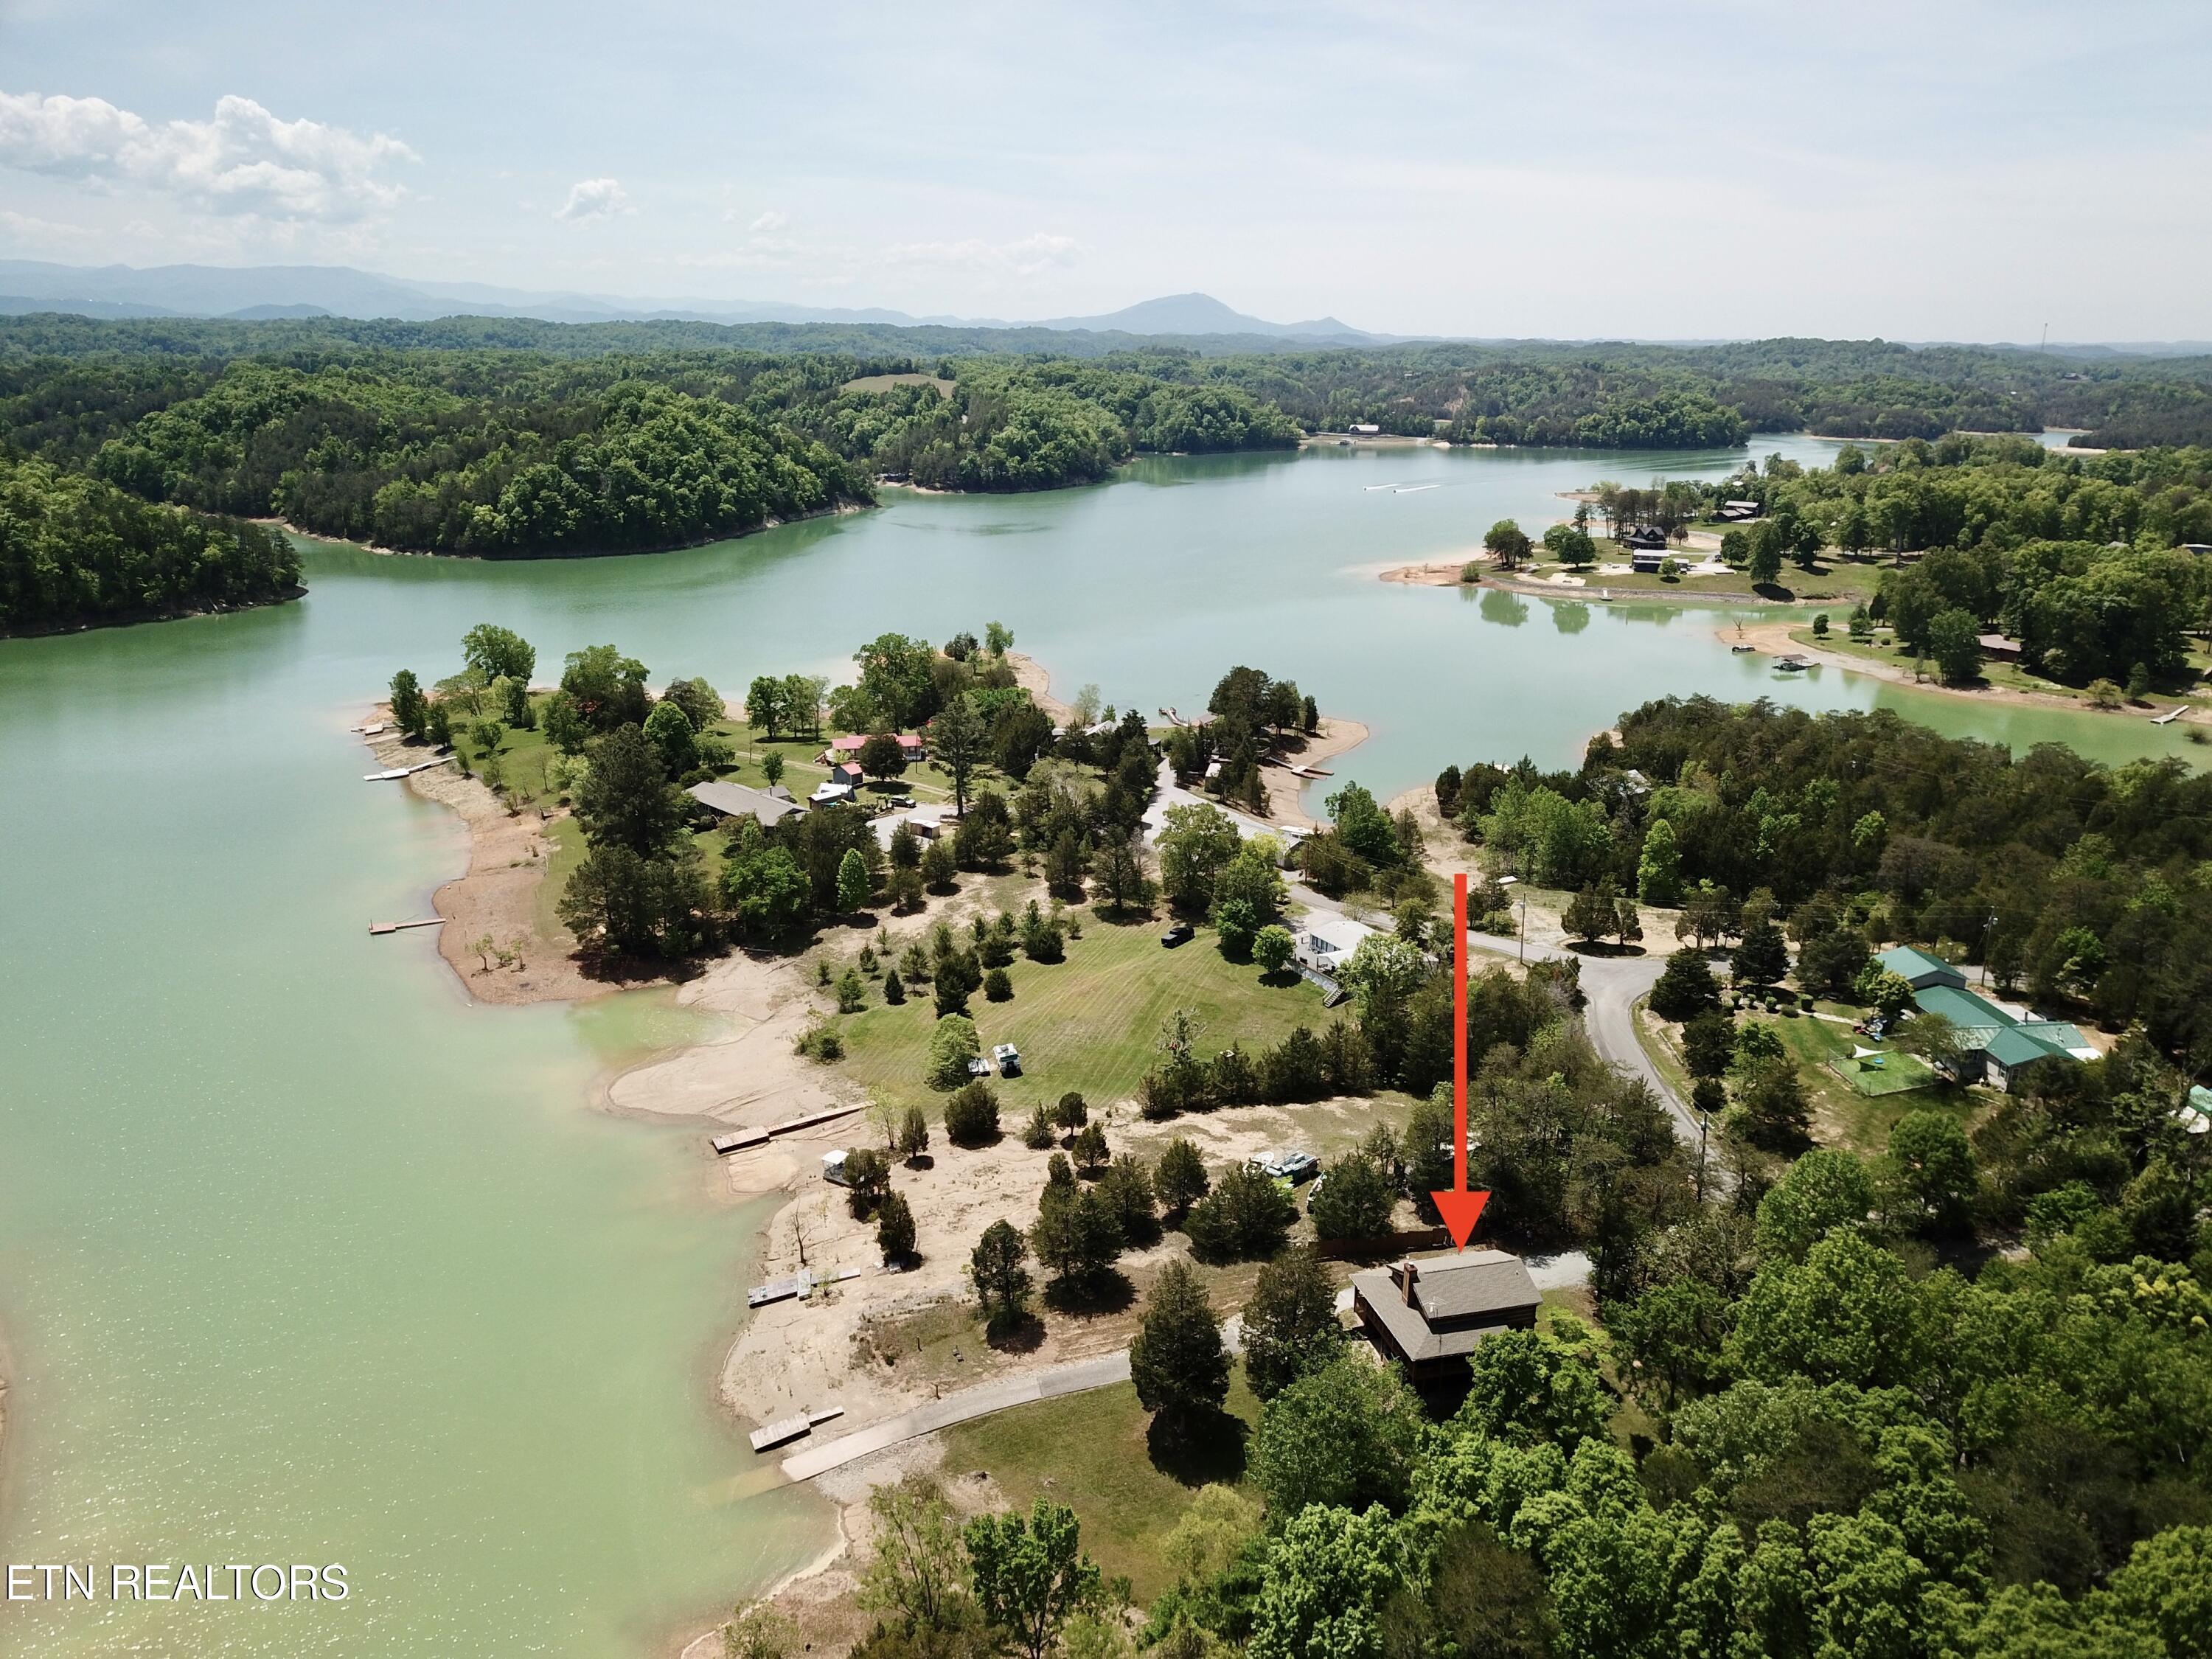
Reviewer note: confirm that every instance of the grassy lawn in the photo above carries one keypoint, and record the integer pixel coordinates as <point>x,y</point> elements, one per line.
<point>1855,1112</point>
<point>1089,1451</point>
<point>1090,1023</point>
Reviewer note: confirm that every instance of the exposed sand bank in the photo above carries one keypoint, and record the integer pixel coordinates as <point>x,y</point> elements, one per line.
<point>1287,790</point>
<point>1035,679</point>
<point>508,854</point>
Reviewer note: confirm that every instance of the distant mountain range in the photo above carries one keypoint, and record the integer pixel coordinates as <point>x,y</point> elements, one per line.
<point>257,292</point>
<point>267,291</point>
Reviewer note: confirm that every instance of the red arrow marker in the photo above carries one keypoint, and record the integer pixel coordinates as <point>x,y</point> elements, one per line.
<point>1460,1208</point>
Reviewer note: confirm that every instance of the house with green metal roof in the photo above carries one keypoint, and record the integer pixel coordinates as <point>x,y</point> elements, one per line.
<point>1998,1043</point>
<point>1917,967</point>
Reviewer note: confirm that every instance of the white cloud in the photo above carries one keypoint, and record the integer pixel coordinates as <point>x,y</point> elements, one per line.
<point>245,160</point>
<point>27,228</point>
<point>593,198</point>
<point>1029,257</point>
<point>769,223</point>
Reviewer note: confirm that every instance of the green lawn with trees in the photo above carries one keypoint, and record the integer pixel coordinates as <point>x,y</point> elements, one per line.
<point>1091,1023</point>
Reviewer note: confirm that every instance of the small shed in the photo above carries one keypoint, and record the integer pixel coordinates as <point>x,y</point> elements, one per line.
<point>2000,647</point>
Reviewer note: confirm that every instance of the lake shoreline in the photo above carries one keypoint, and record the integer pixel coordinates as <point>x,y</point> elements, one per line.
<point>1775,640</point>
<point>137,619</point>
<point>384,552</point>
<point>496,894</point>
<point>1448,575</point>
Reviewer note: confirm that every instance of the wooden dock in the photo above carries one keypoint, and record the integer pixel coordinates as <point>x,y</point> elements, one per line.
<point>738,1140</point>
<point>2170,715</point>
<point>375,927</point>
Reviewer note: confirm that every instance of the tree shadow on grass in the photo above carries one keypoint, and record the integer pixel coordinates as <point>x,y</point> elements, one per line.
<point>1022,1334</point>
<point>1109,1293</point>
<point>1593,947</point>
<point>1202,1452</point>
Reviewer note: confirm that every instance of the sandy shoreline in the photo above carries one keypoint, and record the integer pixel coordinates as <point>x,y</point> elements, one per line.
<point>497,895</point>
<point>1773,640</point>
<point>830,1347</point>
<point>1446,575</point>
<point>1034,677</point>
<point>1287,790</point>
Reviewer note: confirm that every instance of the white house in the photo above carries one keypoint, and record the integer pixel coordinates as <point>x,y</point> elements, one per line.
<point>1324,942</point>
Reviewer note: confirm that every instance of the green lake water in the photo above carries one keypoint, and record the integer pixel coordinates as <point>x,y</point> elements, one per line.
<point>303,1257</point>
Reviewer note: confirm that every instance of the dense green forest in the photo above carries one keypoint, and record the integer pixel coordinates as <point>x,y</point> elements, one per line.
<point>74,551</point>
<point>1599,394</point>
<point>2077,883</point>
<point>2081,559</point>
<point>501,437</point>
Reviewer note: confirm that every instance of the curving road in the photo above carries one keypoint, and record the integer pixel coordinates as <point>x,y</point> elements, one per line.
<point>1612,986</point>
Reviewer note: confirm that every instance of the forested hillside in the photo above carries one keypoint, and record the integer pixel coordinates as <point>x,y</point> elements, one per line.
<point>74,551</point>
<point>2075,882</point>
<point>1067,399</point>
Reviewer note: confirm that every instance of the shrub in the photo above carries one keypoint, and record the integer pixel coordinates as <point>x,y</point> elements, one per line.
<point>1038,1133</point>
<point>1072,1113</point>
<point>951,1045</point>
<point>997,987</point>
<point>821,1042</point>
<point>971,1115</point>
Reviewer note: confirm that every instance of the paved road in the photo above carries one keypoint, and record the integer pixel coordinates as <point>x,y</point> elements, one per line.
<point>1074,1378</point>
<point>1612,985</point>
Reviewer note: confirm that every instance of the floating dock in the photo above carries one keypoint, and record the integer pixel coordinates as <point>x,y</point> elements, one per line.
<point>2170,715</point>
<point>396,927</point>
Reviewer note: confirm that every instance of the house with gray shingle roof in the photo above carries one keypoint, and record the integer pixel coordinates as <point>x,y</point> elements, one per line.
<point>1428,1314</point>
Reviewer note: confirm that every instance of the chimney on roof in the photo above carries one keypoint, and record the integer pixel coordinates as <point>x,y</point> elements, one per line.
<point>1405,1279</point>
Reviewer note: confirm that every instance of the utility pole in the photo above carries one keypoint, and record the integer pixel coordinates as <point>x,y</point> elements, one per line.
<point>1988,928</point>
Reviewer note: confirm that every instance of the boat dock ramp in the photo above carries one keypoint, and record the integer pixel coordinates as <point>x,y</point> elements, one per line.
<point>800,1283</point>
<point>375,927</point>
<point>738,1140</point>
<point>390,773</point>
<point>785,1430</point>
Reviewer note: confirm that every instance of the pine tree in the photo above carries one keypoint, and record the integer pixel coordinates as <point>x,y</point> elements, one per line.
<point>1177,1362</point>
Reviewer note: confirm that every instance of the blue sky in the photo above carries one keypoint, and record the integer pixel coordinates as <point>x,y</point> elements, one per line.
<point>1944,170</point>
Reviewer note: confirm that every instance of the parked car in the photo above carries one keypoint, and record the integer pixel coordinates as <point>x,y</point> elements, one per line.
<point>1009,1058</point>
<point>979,1066</point>
<point>1292,1166</point>
<point>1178,934</point>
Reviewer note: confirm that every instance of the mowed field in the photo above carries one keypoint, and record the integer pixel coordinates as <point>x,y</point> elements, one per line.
<point>1090,1024</point>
